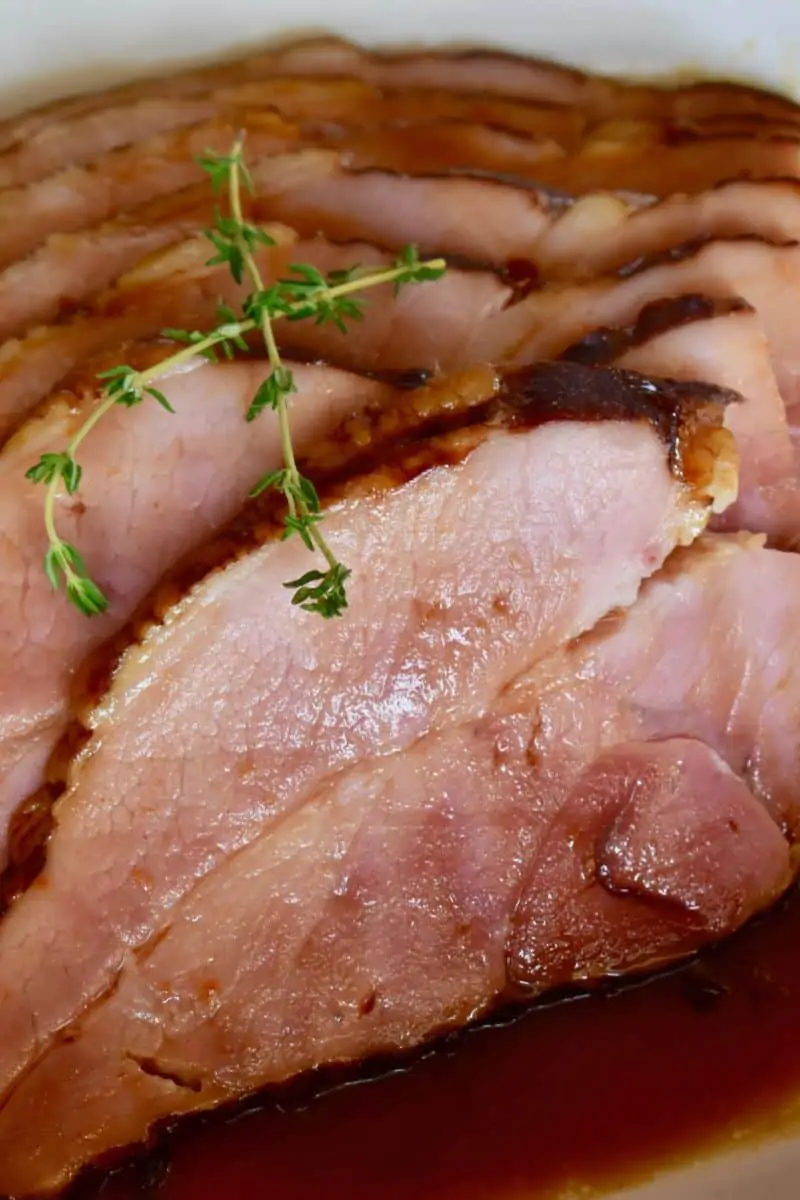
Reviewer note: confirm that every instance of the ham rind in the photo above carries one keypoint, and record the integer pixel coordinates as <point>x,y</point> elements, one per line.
<point>495,73</point>
<point>118,520</point>
<point>421,327</point>
<point>498,222</point>
<point>723,342</point>
<point>599,234</point>
<point>629,785</point>
<point>440,560</point>
<point>123,179</point>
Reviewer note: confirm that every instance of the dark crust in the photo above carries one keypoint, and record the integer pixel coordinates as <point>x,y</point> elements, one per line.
<point>605,345</point>
<point>432,427</point>
<point>694,247</point>
<point>572,391</point>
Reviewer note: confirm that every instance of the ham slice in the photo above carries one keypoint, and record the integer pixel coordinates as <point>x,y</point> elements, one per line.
<point>723,342</point>
<point>419,328</point>
<point>627,785</point>
<point>499,222</point>
<point>118,520</point>
<point>688,167</point>
<point>495,73</point>
<point>70,268</point>
<point>81,137</point>
<point>450,564</point>
<point>81,196</point>
<point>764,273</point>
<point>601,234</point>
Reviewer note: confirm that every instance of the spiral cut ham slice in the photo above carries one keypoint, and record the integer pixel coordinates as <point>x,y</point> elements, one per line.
<point>117,519</point>
<point>422,327</point>
<point>608,472</point>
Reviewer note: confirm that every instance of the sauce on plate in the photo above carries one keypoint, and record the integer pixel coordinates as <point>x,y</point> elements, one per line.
<point>582,1094</point>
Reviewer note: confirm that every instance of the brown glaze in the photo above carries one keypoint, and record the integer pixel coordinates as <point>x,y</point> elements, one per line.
<point>591,1093</point>
<point>605,345</point>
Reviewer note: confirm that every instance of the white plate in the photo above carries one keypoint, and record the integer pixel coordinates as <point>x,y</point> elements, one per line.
<point>49,47</point>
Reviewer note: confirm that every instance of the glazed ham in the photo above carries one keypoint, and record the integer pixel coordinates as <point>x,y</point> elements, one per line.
<point>119,507</point>
<point>552,737</point>
<point>423,327</point>
<point>601,234</point>
<point>81,196</point>
<point>497,74</point>
<point>497,222</point>
<point>722,341</point>
<point>531,587</point>
<point>526,590</point>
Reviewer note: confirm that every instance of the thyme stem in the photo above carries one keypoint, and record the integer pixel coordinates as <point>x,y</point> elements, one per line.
<point>306,293</point>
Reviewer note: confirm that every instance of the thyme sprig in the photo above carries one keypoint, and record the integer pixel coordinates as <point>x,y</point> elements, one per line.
<point>305,294</point>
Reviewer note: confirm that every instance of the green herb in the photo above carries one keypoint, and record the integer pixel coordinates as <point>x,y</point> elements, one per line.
<point>305,294</point>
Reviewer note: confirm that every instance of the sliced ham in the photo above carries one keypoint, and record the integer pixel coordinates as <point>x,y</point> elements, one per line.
<point>688,167</point>
<point>71,267</point>
<point>495,73</point>
<point>81,137</point>
<point>766,274</point>
<point>633,785</point>
<point>500,222</point>
<point>533,79</point>
<point>483,219</point>
<point>600,234</point>
<point>421,327</point>
<point>81,196</point>
<point>723,342</point>
<point>125,177</point>
<point>118,520</point>
<point>353,103</point>
<point>445,145</point>
<point>445,570</point>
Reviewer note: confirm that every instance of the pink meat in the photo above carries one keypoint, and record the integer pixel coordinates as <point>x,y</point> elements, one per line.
<point>118,520</point>
<point>496,222</point>
<point>614,809</point>
<point>463,589</point>
<point>426,324</point>
<point>81,196</point>
<point>763,273</point>
<point>723,342</point>
<point>496,73</point>
<point>83,136</point>
<point>600,233</point>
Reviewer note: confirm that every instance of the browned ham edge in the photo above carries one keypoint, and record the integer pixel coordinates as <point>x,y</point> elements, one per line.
<point>604,346</point>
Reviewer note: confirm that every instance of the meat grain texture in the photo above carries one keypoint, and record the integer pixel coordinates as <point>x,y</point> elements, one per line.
<point>554,736</point>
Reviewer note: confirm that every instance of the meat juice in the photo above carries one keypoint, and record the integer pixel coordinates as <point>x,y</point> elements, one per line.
<point>589,1092</point>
